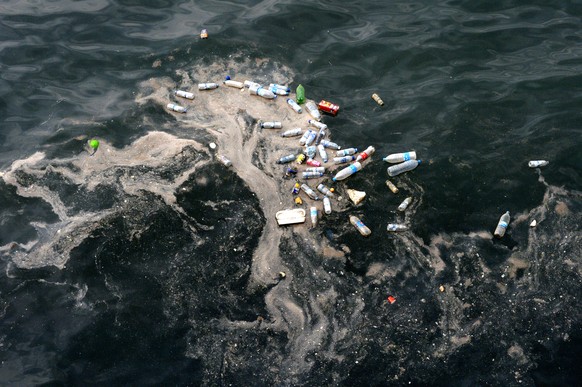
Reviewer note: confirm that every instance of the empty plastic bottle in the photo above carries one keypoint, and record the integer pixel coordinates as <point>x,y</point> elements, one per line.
<point>184,94</point>
<point>324,190</point>
<point>223,159</point>
<point>396,227</point>
<point>392,187</point>
<point>400,157</point>
<point>207,86</point>
<point>320,136</point>
<point>282,87</point>
<point>277,91</point>
<point>344,159</point>
<point>294,105</point>
<point>300,94</point>
<point>235,84</point>
<point>313,215</point>
<point>313,163</point>
<point>359,225</point>
<point>292,132</point>
<point>311,193</point>
<point>310,138</point>
<point>377,98</point>
<point>502,225</point>
<point>329,144</point>
<point>249,84</point>
<point>311,175</point>
<point>303,138</point>
<point>286,159</point>
<point>403,167</point>
<point>326,205</point>
<point>346,152</point>
<point>322,153</point>
<point>313,110</point>
<point>261,92</point>
<point>537,163</point>
<point>405,204</point>
<point>317,124</point>
<point>315,169</point>
<point>176,108</point>
<point>271,125</point>
<point>311,151</point>
<point>348,171</point>
<point>365,154</point>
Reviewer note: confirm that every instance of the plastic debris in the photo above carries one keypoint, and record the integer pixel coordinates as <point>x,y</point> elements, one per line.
<point>212,145</point>
<point>405,203</point>
<point>300,94</point>
<point>235,84</point>
<point>365,154</point>
<point>207,86</point>
<point>329,144</point>
<point>537,163</point>
<point>204,34</point>
<point>348,171</point>
<point>294,105</point>
<point>176,108</point>
<point>223,159</point>
<point>313,110</point>
<point>313,215</point>
<point>356,196</point>
<point>326,205</point>
<point>392,187</point>
<point>322,153</point>
<point>502,225</point>
<point>533,223</point>
<point>328,107</point>
<point>271,125</point>
<point>94,144</point>
<point>287,159</point>
<point>293,216</point>
<point>400,157</point>
<point>359,225</point>
<point>292,132</point>
<point>298,200</point>
<point>391,299</point>
<point>403,167</point>
<point>396,227</point>
<point>184,94</point>
<point>377,98</point>
<point>441,288</point>
<point>282,275</point>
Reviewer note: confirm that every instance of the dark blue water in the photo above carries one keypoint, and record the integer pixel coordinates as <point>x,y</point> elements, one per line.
<point>150,263</point>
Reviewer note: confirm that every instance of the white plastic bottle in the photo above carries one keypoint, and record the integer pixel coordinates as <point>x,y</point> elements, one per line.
<point>326,205</point>
<point>310,138</point>
<point>306,135</point>
<point>346,152</point>
<point>287,159</point>
<point>176,108</point>
<point>537,163</point>
<point>405,204</point>
<point>359,225</point>
<point>311,193</point>
<point>261,92</point>
<point>207,86</point>
<point>502,225</point>
<point>313,110</point>
<point>344,159</point>
<point>396,227</point>
<point>400,157</point>
<point>294,105</point>
<point>365,154</point>
<point>348,171</point>
<point>315,169</point>
<point>403,167</point>
<point>235,84</point>
<point>292,132</point>
<point>277,90</point>
<point>223,159</point>
<point>271,125</point>
<point>320,136</point>
<point>249,84</point>
<point>324,190</point>
<point>184,94</point>
<point>322,153</point>
<point>311,175</point>
<point>329,144</point>
<point>317,124</point>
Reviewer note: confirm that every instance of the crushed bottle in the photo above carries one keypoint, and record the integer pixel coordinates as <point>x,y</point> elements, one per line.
<point>224,160</point>
<point>287,159</point>
<point>235,84</point>
<point>259,90</point>
<point>313,163</point>
<point>317,124</point>
<point>313,214</point>
<point>310,151</point>
<point>502,225</point>
<point>311,175</point>
<point>392,187</point>
<point>309,192</point>
<point>324,190</point>
<point>377,98</point>
<point>359,225</point>
<point>403,167</point>
<point>294,105</point>
<point>310,137</point>
<point>305,136</point>
<point>405,203</point>
<point>396,227</point>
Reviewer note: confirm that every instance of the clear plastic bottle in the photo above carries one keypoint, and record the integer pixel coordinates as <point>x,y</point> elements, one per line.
<point>311,175</point>
<point>400,157</point>
<point>271,125</point>
<point>396,227</point>
<point>176,108</point>
<point>405,203</point>
<point>311,193</point>
<point>329,144</point>
<point>292,132</point>
<point>348,171</point>
<point>537,163</point>
<point>310,138</point>
<point>184,94</point>
<point>322,153</point>
<point>278,90</point>
<point>317,124</point>
<point>311,151</point>
<point>326,205</point>
<point>287,159</point>
<point>261,92</point>
<point>315,169</point>
<point>320,136</point>
<point>324,190</point>
<point>313,215</point>
<point>502,225</point>
<point>344,159</point>
<point>365,154</point>
<point>249,84</point>
<point>300,94</point>
<point>305,136</point>
<point>207,86</point>
<point>346,152</point>
<point>377,98</point>
<point>235,84</point>
<point>392,187</point>
<point>282,87</point>
<point>403,167</point>
<point>294,105</point>
<point>223,159</point>
<point>359,225</point>
<point>313,110</point>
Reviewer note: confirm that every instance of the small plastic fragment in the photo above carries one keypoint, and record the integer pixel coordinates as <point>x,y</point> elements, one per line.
<point>356,196</point>
<point>204,34</point>
<point>391,299</point>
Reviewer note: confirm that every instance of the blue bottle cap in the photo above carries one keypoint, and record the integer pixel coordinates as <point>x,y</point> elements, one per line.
<point>227,77</point>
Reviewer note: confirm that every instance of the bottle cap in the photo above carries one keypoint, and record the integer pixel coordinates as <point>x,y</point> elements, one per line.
<point>228,77</point>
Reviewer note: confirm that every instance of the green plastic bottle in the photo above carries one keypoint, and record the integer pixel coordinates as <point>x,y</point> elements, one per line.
<point>300,94</point>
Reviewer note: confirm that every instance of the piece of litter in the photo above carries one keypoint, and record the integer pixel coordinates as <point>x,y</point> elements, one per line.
<point>442,288</point>
<point>356,196</point>
<point>533,223</point>
<point>391,299</point>
<point>212,145</point>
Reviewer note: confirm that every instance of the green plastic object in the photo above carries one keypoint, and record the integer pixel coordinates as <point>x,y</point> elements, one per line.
<point>300,94</point>
<point>94,144</point>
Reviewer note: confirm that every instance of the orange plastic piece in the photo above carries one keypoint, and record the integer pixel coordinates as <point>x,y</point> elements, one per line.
<point>391,299</point>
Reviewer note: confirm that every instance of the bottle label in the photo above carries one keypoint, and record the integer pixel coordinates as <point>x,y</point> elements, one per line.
<point>359,224</point>
<point>406,156</point>
<point>353,168</point>
<point>503,224</point>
